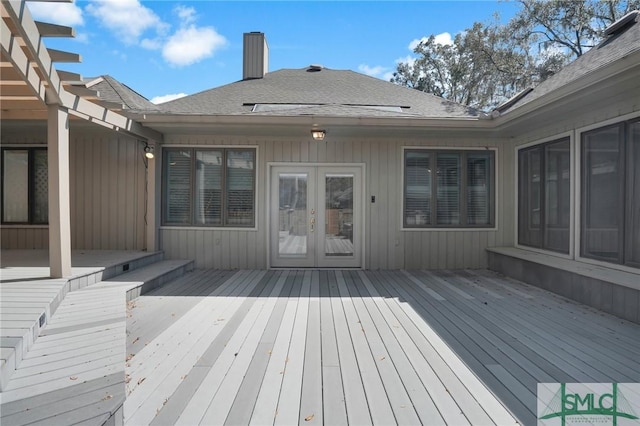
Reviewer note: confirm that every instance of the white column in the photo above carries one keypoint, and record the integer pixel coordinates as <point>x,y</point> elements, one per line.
<point>59,193</point>
<point>153,176</point>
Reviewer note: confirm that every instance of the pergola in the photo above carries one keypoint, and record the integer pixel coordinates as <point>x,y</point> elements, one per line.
<point>31,88</point>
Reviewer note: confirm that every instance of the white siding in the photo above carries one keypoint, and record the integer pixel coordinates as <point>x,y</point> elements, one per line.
<point>386,246</point>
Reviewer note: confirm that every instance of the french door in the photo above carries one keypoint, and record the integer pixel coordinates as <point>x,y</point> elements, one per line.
<point>316,216</point>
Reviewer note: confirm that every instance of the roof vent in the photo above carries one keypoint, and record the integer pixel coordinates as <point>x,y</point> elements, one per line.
<point>621,23</point>
<point>315,68</point>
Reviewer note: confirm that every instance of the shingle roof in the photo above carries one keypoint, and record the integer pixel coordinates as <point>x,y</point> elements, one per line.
<point>611,49</point>
<point>112,90</point>
<point>325,92</point>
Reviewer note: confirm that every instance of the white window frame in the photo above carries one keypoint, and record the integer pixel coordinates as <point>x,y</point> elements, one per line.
<point>572,191</point>
<point>496,191</point>
<point>258,179</point>
<point>578,184</point>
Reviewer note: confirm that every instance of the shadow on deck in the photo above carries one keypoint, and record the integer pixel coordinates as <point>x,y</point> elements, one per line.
<point>360,347</point>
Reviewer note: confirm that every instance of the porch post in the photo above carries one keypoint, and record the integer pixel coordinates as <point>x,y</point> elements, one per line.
<point>152,209</point>
<point>59,192</point>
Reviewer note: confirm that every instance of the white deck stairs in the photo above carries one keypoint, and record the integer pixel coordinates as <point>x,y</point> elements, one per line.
<point>63,342</point>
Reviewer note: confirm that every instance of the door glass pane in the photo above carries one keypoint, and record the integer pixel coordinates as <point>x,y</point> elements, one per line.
<point>602,202</point>
<point>338,234</point>
<point>15,182</point>
<point>293,216</point>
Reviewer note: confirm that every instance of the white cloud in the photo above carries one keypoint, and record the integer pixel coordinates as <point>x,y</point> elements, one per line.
<point>166,98</point>
<point>383,73</point>
<point>372,71</point>
<point>136,24</point>
<point>57,13</point>
<point>407,60</point>
<point>443,39</point>
<point>187,15</point>
<point>415,42</point>
<point>192,44</point>
<point>127,19</point>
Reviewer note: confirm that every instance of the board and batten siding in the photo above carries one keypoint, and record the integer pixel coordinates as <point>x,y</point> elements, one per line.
<point>386,245</point>
<point>107,177</point>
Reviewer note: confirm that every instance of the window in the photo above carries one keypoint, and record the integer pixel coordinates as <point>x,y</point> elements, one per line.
<point>24,186</point>
<point>209,187</point>
<point>544,179</point>
<point>610,201</point>
<point>462,185</point>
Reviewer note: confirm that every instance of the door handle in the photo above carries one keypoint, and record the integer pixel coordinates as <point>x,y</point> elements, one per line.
<point>313,223</point>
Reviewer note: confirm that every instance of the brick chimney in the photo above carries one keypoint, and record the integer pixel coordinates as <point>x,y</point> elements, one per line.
<point>255,62</point>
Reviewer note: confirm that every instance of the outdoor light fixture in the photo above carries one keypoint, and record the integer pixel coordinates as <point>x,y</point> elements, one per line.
<point>148,151</point>
<point>318,134</point>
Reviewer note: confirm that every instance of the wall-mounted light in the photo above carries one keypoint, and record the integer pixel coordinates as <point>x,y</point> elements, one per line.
<point>148,151</point>
<point>317,134</point>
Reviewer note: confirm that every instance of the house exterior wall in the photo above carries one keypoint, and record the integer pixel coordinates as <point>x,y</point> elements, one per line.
<point>107,191</point>
<point>386,245</point>
<point>595,109</point>
<point>615,288</point>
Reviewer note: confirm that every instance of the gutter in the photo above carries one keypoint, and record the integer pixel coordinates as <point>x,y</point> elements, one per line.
<point>171,120</point>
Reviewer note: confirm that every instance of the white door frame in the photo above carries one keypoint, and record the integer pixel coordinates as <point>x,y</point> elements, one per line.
<point>359,209</point>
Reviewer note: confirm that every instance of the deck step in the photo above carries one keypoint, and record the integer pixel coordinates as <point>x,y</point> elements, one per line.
<point>148,278</point>
<point>64,356</point>
<point>26,305</point>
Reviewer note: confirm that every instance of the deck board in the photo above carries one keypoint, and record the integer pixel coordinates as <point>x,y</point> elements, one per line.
<point>319,347</point>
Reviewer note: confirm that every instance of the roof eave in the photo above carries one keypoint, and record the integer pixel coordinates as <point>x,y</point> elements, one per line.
<point>154,120</point>
<point>628,63</point>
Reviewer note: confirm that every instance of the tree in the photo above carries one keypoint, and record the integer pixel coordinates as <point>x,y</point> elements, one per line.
<point>572,27</point>
<point>480,68</point>
<point>490,62</point>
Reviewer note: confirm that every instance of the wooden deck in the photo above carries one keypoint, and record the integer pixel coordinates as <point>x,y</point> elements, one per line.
<point>354,347</point>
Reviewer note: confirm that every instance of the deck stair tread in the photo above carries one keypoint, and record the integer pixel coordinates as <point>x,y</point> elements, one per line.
<point>83,342</point>
<point>29,299</point>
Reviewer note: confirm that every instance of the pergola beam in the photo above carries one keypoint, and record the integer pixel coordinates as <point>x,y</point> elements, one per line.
<point>23,69</point>
<point>53,30</point>
<point>62,56</point>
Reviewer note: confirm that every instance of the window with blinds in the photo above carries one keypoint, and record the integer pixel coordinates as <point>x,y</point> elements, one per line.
<point>209,187</point>
<point>448,188</point>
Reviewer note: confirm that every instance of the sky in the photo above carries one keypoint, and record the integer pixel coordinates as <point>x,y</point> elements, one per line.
<point>165,49</point>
